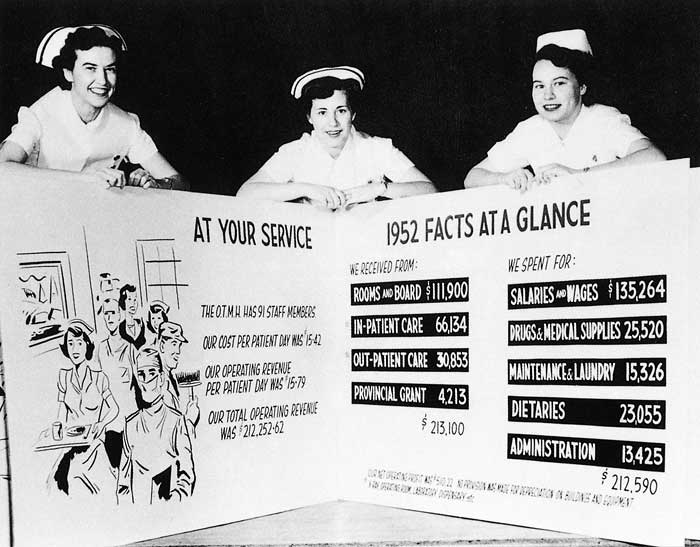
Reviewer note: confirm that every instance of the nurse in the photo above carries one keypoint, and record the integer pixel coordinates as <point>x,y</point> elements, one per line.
<point>565,136</point>
<point>335,165</point>
<point>157,315</point>
<point>84,400</point>
<point>75,132</point>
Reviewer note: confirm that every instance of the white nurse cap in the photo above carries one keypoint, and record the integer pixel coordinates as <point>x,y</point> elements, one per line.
<point>51,44</point>
<point>340,72</point>
<point>159,304</point>
<point>571,39</point>
<point>79,324</point>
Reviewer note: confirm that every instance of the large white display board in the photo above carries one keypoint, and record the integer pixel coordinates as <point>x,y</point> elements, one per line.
<point>257,359</point>
<point>524,355</point>
<point>516,358</point>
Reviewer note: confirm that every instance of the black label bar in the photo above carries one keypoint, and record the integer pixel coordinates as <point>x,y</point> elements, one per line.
<point>642,456</point>
<point>420,395</point>
<point>647,414</point>
<point>634,371</point>
<point>414,324</point>
<point>419,291</point>
<point>599,331</point>
<point>647,289</point>
<point>410,360</point>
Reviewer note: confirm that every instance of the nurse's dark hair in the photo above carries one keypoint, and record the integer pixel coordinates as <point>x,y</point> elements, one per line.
<point>153,308</point>
<point>578,62</point>
<point>122,294</point>
<point>322,88</point>
<point>78,332</point>
<point>83,39</point>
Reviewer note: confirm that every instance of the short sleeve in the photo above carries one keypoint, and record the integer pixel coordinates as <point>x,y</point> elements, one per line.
<point>103,385</point>
<point>511,152</point>
<point>141,146</point>
<point>394,162</point>
<point>27,131</point>
<point>280,167</point>
<point>619,131</point>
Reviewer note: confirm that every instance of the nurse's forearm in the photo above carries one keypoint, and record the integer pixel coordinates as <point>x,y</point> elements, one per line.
<point>412,188</point>
<point>274,190</point>
<point>648,154</point>
<point>28,173</point>
<point>478,176</point>
<point>107,176</point>
<point>112,410</point>
<point>62,414</point>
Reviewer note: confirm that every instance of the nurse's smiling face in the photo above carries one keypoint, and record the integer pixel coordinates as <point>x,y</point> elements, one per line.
<point>332,119</point>
<point>93,78</point>
<point>556,93</point>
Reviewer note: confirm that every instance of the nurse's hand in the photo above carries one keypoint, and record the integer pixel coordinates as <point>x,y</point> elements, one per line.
<point>519,179</point>
<point>141,177</point>
<point>547,173</point>
<point>364,193</point>
<point>325,196</point>
<point>106,175</point>
<point>98,430</point>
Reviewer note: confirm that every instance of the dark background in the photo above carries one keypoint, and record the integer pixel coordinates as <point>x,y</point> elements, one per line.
<point>446,79</point>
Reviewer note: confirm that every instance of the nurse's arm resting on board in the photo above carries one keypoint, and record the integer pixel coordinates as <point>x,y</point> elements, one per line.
<point>334,165</point>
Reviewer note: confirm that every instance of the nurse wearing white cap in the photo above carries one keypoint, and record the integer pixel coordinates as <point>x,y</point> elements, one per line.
<point>74,132</point>
<point>565,136</point>
<point>335,165</point>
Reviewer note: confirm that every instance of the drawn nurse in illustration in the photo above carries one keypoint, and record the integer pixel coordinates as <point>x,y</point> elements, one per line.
<point>157,315</point>
<point>85,407</point>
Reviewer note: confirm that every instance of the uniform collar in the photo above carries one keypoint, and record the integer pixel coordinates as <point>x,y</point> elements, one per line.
<point>349,144</point>
<point>90,369</point>
<point>578,122</point>
<point>72,113</point>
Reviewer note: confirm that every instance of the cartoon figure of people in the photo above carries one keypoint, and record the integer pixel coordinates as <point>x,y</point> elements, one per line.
<point>157,461</point>
<point>157,314</point>
<point>116,358</point>
<point>84,401</point>
<point>170,340</point>
<point>131,328</point>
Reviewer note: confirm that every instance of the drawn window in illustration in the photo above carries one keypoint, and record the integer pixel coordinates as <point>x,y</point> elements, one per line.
<point>47,299</point>
<point>158,270</point>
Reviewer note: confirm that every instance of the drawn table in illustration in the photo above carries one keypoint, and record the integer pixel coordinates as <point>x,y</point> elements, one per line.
<point>79,435</point>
